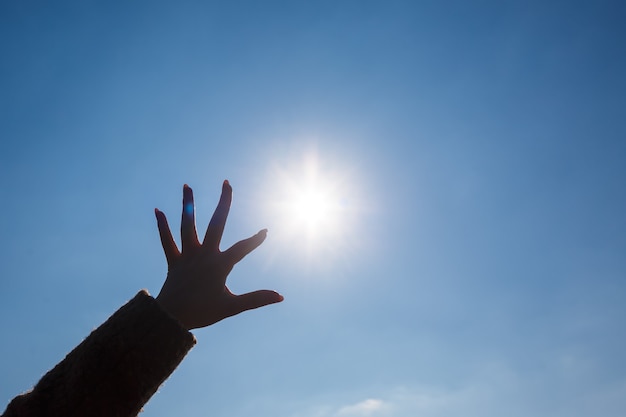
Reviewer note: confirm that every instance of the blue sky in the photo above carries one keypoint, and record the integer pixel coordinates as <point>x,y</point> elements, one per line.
<point>476,151</point>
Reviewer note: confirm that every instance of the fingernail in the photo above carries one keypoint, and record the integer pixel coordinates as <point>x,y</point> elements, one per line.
<point>226,183</point>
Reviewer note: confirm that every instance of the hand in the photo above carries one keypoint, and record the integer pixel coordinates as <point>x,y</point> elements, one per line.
<point>195,290</point>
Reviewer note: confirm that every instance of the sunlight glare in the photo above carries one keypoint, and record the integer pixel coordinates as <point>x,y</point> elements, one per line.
<point>311,209</point>
<point>310,205</point>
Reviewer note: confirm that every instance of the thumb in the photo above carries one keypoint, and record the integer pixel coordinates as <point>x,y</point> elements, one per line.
<point>256,299</point>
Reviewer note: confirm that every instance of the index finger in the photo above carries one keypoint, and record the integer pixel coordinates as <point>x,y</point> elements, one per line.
<point>215,229</point>
<point>240,249</point>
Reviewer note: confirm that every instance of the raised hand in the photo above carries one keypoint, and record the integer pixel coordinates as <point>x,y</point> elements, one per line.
<point>195,290</point>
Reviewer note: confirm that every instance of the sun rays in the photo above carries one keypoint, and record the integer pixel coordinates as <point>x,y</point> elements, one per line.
<point>311,205</point>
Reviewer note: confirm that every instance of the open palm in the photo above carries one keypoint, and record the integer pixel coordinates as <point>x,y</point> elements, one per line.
<point>195,290</point>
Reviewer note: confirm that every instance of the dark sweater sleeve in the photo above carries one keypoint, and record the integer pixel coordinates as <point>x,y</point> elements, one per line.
<point>115,370</point>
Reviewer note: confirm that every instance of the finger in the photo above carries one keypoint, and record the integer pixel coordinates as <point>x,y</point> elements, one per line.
<point>215,230</point>
<point>254,300</point>
<point>240,249</point>
<point>167,241</point>
<point>188,234</point>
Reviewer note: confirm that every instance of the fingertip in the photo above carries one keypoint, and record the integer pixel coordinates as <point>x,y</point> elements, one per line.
<point>227,194</point>
<point>260,236</point>
<point>273,297</point>
<point>188,208</point>
<point>226,187</point>
<point>187,192</point>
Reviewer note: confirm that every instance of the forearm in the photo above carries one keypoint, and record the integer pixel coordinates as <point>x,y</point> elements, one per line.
<point>115,370</point>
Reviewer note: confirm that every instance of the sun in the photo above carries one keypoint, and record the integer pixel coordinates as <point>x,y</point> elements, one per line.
<point>311,209</point>
<point>309,205</point>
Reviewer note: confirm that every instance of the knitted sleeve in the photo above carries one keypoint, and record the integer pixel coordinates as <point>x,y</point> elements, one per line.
<point>115,370</point>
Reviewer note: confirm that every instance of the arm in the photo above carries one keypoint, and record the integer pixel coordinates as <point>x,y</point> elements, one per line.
<point>116,370</point>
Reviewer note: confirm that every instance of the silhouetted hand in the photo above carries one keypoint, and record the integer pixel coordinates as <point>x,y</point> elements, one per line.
<point>195,290</point>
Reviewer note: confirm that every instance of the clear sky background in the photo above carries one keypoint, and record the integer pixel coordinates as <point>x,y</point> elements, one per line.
<point>476,264</point>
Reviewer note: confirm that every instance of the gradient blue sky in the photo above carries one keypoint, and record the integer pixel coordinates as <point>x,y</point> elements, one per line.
<point>479,146</point>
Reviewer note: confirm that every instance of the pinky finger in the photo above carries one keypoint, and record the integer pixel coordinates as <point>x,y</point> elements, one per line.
<point>167,241</point>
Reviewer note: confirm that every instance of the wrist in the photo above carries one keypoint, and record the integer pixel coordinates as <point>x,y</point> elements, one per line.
<point>170,308</point>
